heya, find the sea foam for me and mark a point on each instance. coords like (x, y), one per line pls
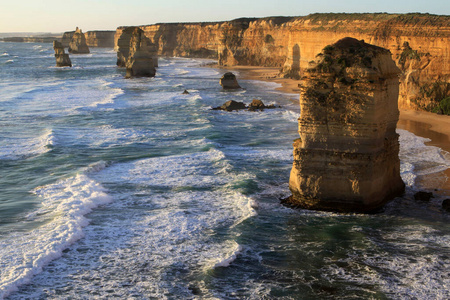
(19, 148)
(62, 215)
(417, 159)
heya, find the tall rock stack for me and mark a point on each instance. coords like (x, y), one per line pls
(78, 44)
(346, 158)
(62, 59)
(139, 60)
(127, 44)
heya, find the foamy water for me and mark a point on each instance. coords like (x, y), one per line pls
(115, 188)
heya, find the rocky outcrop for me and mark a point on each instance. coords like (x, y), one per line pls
(229, 81)
(78, 43)
(231, 105)
(62, 59)
(256, 105)
(139, 62)
(346, 158)
(290, 43)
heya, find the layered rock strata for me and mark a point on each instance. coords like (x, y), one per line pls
(78, 43)
(139, 62)
(94, 38)
(346, 158)
(291, 42)
(98, 38)
(62, 59)
(128, 40)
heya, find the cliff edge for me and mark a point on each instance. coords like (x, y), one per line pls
(290, 43)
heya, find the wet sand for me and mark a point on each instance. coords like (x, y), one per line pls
(429, 125)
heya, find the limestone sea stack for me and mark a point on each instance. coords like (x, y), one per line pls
(78, 43)
(124, 44)
(140, 59)
(62, 59)
(346, 158)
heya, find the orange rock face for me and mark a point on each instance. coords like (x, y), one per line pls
(291, 43)
(347, 156)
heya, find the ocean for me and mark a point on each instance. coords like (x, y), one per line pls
(114, 188)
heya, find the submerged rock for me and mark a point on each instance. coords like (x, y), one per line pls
(346, 158)
(446, 205)
(62, 59)
(423, 196)
(229, 81)
(78, 43)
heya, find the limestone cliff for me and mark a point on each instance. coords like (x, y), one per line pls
(98, 38)
(292, 42)
(62, 59)
(78, 43)
(93, 38)
(347, 156)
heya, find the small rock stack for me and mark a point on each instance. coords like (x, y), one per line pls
(346, 158)
(62, 59)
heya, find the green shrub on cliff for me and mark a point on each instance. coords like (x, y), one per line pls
(444, 107)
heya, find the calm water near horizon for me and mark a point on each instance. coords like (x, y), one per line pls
(113, 188)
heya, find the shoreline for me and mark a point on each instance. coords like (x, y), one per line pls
(424, 124)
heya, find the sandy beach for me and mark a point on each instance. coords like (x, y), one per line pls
(429, 125)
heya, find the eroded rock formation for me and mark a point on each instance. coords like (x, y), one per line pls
(62, 59)
(229, 81)
(291, 42)
(127, 43)
(346, 158)
(78, 43)
(139, 62)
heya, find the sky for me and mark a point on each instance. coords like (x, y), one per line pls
(64, 15)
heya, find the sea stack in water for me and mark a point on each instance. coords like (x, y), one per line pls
(140, 61)
(62, 59)
(78, 44)
(229, 81)
(346, 158)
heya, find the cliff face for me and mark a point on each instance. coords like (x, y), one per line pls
(291, 43)
(93, 38)
(103, 39)
(188, 40)
(347, 156)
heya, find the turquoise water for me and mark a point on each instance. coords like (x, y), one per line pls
(115, 188)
